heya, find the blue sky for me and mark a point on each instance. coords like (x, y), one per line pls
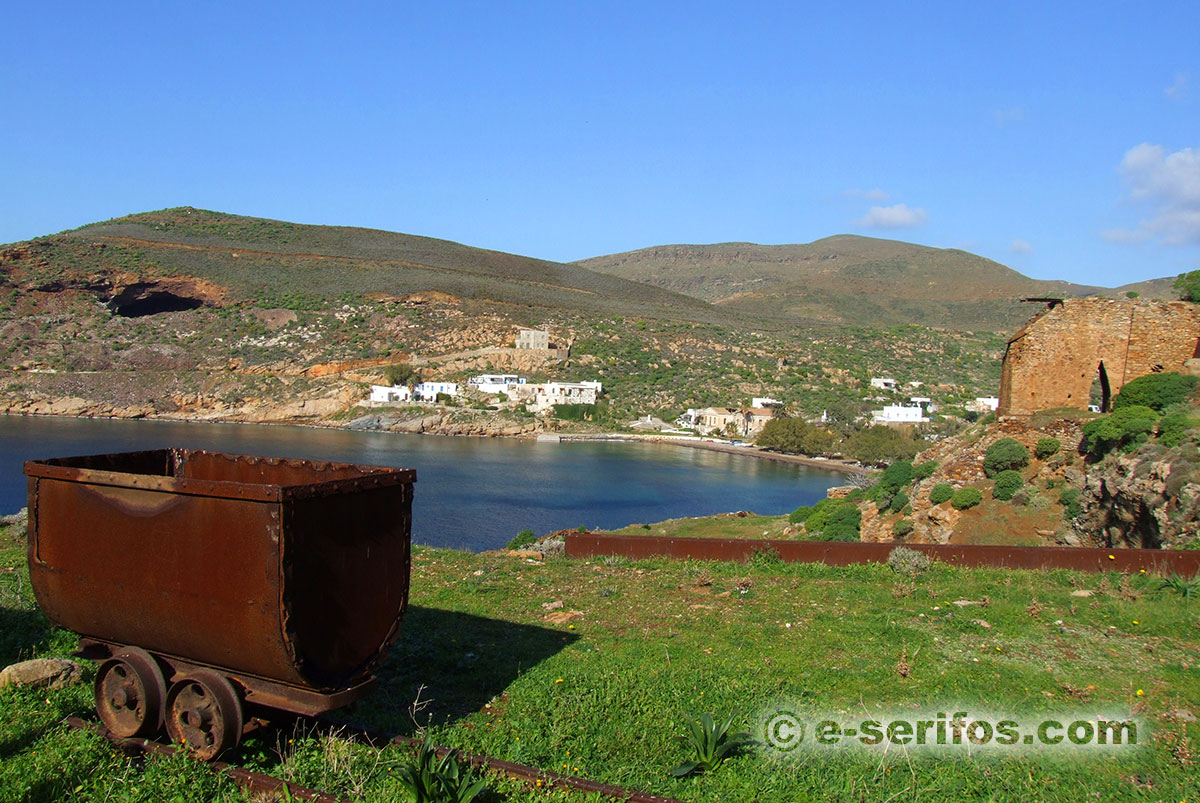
(1062, 139)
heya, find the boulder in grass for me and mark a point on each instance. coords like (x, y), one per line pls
(51, 673)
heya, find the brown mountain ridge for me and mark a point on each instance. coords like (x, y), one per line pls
(850, 279)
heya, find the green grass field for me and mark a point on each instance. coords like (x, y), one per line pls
(604, 695)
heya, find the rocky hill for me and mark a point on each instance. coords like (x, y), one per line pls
(1145, 498)
(185, 258)
(196, 314)
(851, 279)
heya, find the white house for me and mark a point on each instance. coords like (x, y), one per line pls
(491, 384)
(543, 397)
(428, 391)
(688, 419)
(765, 401)
(884, 383)
(900, 414)
(983, 404)
(533, 339)
(384, 394)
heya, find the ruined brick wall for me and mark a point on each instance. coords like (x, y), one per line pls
(1054, 359)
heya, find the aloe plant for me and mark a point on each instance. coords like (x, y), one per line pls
(711, 743)
(434, 780)
(1184, 587)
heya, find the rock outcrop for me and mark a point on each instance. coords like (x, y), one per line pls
(1149, 498)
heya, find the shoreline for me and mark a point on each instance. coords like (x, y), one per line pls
(692, 442)
(829, 464)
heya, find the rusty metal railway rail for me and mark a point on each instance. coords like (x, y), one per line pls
(1088, 559)
(261, 783)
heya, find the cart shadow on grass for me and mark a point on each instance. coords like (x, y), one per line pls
(462, 661)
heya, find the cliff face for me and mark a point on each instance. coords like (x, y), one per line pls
(1149, 498)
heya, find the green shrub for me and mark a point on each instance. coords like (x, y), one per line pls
(1004, 454)
(899, 502)
(898, 474)
(1069, 499)
(1046, 447)
(901, 528)
(941, 493)
(903, 560)
(1124, 429)
(925, 470)
(1173, 427)
(800, 514)
(522, 539)
(1188, 285)
(1155, 391)
(1007, 484)
(834, 520)
(966, 498)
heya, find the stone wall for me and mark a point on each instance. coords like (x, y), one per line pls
(1054, 359)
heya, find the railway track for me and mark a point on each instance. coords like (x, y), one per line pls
(261, 783)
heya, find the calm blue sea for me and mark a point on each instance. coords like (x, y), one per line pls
(471, 493)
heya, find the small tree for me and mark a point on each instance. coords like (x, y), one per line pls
(400, 374)
(1004, 454)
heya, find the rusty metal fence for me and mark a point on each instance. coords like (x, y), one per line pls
(589, 545)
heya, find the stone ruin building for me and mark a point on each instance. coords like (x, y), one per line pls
(1055, 359)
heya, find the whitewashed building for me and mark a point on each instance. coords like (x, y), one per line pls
(900, 414)
(428, 391)
(542, 397)
(491, 384)
(765, 401)
(389, 394)
(983, 404)
(884, 383)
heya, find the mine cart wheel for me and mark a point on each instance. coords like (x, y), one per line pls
(204, 714)
(129, 692)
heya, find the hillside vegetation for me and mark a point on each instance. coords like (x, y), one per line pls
(189, 313)
(277, 264)
(851, 279)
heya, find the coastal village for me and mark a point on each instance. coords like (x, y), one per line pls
(514, 391)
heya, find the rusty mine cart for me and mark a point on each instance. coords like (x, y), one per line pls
(207, 582)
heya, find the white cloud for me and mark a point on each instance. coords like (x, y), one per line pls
(871, 195)
(1021, 247)
(899, 216)
(1125, 236)
(1003, 115)
(1169, 183)
(1178, 90)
